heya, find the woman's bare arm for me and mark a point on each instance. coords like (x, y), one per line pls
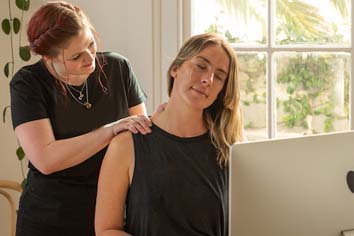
(49, 155)
(114, 180)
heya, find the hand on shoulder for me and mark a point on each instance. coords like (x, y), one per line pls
(135, 124)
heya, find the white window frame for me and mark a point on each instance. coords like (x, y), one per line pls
(176, 27)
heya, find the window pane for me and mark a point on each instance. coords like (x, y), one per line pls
(312, 92)
(243, 22)
(312, 22)
(252, 74)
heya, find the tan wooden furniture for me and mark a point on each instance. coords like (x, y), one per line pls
(5, 186)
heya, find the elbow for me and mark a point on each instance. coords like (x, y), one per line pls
(42, 166)
(45, 170)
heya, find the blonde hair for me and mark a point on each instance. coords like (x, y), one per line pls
(224, 117)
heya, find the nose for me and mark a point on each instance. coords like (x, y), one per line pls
(208, 79)
(89, 56)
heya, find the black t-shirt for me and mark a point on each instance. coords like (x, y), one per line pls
(67, 197)
(178, 187)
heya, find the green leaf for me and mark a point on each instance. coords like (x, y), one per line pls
(16, 25)
(23, 4)
(4, 113)
(6, 70)
(25, 53)
(20, 153)
(5, 25)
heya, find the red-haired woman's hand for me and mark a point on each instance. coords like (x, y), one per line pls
(135, 124)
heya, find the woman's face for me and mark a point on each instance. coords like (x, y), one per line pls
(199, 80)
(77, 60)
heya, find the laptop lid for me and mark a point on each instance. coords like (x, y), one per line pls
(293, 187)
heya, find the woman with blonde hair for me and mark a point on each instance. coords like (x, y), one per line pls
(174, 181)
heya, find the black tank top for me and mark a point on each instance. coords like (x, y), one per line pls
(178, 188)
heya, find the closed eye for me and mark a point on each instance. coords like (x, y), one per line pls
(74, 58)
(220, 77)
(202, 67)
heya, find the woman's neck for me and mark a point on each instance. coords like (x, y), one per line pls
(180, 121)
(71, 80)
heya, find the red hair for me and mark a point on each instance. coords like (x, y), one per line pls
(53, 25)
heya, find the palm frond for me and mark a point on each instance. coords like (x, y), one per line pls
(302, 17)
(343, 6)
(239, 9)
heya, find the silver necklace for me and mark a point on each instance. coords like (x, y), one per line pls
(81, 95)
(86, 104)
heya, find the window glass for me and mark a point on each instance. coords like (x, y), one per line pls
(305, 52)
(313, 22)
(312, 92)
(252, 77)
(242, 22)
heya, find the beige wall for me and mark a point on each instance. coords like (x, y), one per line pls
(10, 168)
(132, 28)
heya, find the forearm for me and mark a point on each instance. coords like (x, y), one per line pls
(62, 154)
(49, 155)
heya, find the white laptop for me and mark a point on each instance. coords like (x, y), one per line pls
(293, 187)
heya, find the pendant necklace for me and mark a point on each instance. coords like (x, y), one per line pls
(86, 104)
(81, 95)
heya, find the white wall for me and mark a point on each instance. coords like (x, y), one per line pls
(148, 32)
(126, 27)
(145, 31)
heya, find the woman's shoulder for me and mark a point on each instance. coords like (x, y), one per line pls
(112, 57)
(28, 73)
(122, 144)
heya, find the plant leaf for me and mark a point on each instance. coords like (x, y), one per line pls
(25, 53)
(20, 153)
(16, 25)
(23, 4)
(6, 70)
(5, 25)
(4, 114)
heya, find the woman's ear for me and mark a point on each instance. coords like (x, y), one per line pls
(173, 72)
(47, 59)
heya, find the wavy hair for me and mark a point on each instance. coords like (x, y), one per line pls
(224, 116)
(53, 25)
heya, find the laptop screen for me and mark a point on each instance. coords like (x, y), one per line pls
(293, 187)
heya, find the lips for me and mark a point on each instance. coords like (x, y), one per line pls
(89, 64)
(200, 91)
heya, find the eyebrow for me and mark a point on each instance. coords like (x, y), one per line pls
(207, 61)
(80, 53)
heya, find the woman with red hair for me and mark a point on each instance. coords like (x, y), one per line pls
(66, 108)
